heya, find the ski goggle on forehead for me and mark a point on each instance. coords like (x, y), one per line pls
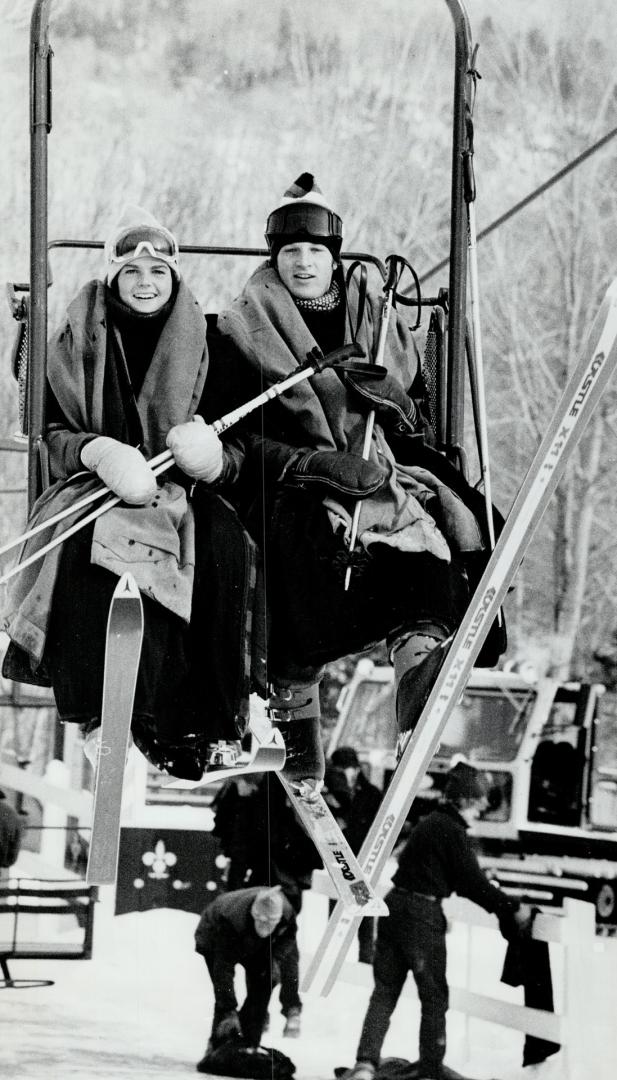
(311, 218)
(158, 243)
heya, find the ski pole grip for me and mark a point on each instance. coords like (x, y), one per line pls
(316, 360)
(392, 262)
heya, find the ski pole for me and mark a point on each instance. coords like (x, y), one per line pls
(313, 365)
(472, 253)
(480, 411)
(69, 510)
(395, 264)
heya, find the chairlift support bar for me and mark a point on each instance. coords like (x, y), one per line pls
(40, 126)
(463, 88)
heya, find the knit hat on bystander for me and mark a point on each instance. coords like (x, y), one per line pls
(465, 782)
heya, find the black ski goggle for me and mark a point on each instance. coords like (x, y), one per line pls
(306, 218)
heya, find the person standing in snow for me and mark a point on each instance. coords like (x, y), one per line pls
(422, 536)
(437, 860)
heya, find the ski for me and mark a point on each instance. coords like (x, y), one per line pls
(581, 395)
(122, 653)
(355, 892)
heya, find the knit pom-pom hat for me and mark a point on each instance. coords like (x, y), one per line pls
(139, 233)
(304, 214)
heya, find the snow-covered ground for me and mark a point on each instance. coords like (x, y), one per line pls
(141, 1008)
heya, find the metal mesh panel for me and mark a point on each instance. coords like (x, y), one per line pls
(430, 368)
(21, 363)
(19, 356)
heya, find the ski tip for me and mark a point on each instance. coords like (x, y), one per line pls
(611, 292)
(126, 587)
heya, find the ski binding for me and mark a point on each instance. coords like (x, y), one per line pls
(265, 753)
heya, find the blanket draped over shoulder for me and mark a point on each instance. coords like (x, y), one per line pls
(267, 327)
(159, 538)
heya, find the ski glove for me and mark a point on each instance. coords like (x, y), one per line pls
(347, 474)
(197, 449)
(122, 468)
(229, 1027)
(394, 409)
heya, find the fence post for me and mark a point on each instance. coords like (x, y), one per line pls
(53, 836)
(590, 998)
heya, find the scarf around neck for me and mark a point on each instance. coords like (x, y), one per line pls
(172, 385)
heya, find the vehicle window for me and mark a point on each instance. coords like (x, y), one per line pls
(603, 798)
(499, 797)
(555, 782)
(371, 720)
(487, 725)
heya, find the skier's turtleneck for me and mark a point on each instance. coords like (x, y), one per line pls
(327, 326)
(139, 333)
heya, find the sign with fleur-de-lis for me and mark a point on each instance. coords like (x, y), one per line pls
(159, 860)
(174, 868)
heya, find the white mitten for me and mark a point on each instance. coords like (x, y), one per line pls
(122, 468)
(196, 449)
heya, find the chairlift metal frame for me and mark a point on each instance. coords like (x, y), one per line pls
(453, 302)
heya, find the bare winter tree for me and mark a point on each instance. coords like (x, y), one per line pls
(549, 272)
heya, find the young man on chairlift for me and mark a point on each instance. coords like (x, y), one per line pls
(421, 536)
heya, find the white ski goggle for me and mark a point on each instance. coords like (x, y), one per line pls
(157, 243)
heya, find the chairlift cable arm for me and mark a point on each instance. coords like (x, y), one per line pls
(531, 197)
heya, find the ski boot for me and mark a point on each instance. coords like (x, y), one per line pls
(362, 1070)
(291, 1029)
(417, 660)
(296, 713)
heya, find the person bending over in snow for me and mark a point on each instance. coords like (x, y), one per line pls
(421, 531)
(254, 928)
(129, 375)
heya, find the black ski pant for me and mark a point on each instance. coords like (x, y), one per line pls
(412, 938)
(289, 990)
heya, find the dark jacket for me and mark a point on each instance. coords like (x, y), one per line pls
(226, 936)
(438, 859)
(354, 809)
(264, 840)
